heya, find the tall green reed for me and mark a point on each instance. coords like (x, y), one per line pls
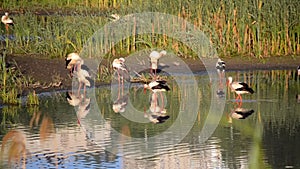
(244, 28)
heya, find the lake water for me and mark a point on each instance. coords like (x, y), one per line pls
(191, 126)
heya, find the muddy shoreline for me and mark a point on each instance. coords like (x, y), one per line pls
(51, 75)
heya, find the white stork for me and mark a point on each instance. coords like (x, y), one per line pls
(6, 21)
(121, 69)
(154, 57)
(239, 88)
(72, 61)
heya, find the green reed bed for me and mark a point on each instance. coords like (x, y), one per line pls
(12, 83)
(8, 83)
(53, 36)
(250, 28)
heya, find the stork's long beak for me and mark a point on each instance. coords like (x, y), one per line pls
(227, 83)
(145, 90)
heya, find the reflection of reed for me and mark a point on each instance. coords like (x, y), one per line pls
(126, 130)
(34, 119)
(46, 126)
(9, 114)
(17, 147)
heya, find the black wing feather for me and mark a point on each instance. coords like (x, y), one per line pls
(245, 88)
(161, 86)
(67, 62)
(244, 114)
(68, 96)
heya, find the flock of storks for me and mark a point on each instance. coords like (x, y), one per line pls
(74, 64)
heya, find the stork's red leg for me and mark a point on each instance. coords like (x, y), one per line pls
(78, 92)
(84, 90)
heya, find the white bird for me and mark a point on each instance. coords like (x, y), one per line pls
(6, 21)
(154, 57)
(82, 76)
(239, 88)
(115, 17)
(72, 61)
(298, 69)
(119, 64)
(220, 66)
(121, 69)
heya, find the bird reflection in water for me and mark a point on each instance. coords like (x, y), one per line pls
(220, 92)
(82, 103)
(83, 108)
(239, 113)
(220, 66)
(119, 105)
(156, 113)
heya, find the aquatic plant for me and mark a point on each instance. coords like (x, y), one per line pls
(12, 81)
(104, 73)
(8, 91)
(247, 28)
(32, 99)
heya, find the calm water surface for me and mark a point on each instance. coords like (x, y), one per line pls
(192, 126)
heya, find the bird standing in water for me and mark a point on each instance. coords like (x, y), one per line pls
(72, 61)
(154, 57)
(121, 69)
(220, 66)
(239, 88)
(83, 79)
